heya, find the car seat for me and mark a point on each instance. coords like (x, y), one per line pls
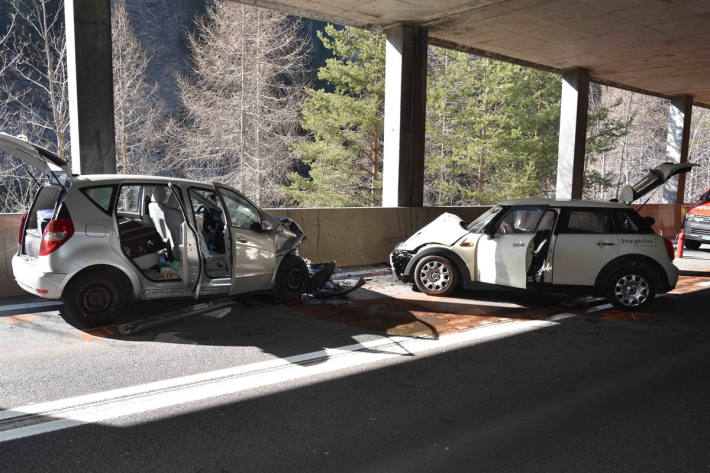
(167, 217)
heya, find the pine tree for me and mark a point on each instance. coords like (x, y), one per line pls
(343, 149)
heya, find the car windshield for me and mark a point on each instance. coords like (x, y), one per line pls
(477, 225)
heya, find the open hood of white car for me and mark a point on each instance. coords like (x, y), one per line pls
(41, 159)
(446, 230)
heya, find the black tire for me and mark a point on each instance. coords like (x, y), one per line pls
(291, 278)
(435, 276)
(631, 287)
(96, 298)
(692, 244)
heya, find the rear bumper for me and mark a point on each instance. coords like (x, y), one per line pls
(671, 275)
(47, 285)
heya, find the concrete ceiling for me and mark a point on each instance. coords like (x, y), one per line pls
(657, 47)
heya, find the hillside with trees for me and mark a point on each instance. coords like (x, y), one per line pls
(218, 90)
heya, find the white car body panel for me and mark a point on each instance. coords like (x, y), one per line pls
(578, 258)
(445, 230)
(504, 260)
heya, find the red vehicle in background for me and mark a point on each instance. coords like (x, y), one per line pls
(697, 222)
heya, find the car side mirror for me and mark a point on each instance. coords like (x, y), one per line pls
(266, 226)
(489, 230)
(649, 221)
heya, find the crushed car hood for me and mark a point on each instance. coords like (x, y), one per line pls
(446, 229)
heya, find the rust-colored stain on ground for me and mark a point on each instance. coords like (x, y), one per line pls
(420, 318)
(19, 318)
(690, 283)
(97, 332)
(623, 315)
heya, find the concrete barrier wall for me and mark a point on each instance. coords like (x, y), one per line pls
(9, 226)
(351, 236)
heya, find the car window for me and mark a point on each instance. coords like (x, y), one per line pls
(547, 222)
(129, 199)
(242, 214)
(477, 225)
(589, 221)
(705, 197)
(100, 196)
(520, 220)
(624, 223)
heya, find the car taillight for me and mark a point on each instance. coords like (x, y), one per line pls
(22, 228)
(669, 248)
(55, 235)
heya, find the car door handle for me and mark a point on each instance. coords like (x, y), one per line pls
(241, 240)
(519, 243)
(605, 243)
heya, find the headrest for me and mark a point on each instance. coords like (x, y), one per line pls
(172, 201)
(159, 194)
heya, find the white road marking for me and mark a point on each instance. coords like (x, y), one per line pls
(597, 308)
(36, 419)
(558, 317)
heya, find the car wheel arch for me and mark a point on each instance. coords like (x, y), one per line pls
(657, 270)
(444, 252)
(131, 285)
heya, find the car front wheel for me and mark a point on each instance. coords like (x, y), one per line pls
(631, 287)
(435, 276)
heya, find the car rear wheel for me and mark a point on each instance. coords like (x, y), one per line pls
(435, 276)
(291, 278)
(692, 244)
(95, 298)
(631, 287)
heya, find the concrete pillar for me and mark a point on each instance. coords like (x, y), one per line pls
(405, 112)
(90, 77)
(677, 145)
(573, 134)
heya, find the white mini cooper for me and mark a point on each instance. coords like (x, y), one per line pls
(556, 245)
(100, 241)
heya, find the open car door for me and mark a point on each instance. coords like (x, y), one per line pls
(252, 243)
(191, 263)
(504, 257)
(41, 159)
(654, 179)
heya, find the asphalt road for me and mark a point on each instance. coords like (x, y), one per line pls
(601, 391)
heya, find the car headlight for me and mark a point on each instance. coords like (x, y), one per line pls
(690, 217)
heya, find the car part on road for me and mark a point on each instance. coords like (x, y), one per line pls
(173, 316)
(333, 289)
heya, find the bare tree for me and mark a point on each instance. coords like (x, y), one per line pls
(243, 98)
(141, 127)
(33, 91)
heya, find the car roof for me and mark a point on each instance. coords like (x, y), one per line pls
(566, 203)
(120, 178)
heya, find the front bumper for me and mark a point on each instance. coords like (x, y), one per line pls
(697, 231)
(399, 259)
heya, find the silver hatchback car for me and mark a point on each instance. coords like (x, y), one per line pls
(98, 242)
